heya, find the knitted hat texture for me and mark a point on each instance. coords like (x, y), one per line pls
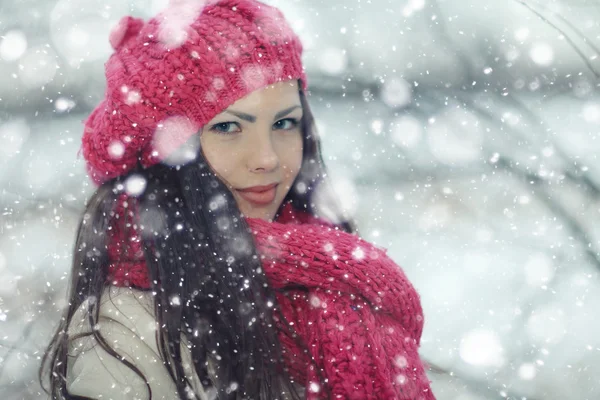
(173, 74)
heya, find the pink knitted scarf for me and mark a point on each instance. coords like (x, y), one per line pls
(359, 316)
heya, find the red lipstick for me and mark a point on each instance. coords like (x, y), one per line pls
(260, 195)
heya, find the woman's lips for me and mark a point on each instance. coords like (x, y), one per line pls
(260, 195)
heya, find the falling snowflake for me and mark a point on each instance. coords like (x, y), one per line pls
(482, 347)
(358, 254)
(175, 300)
(542, 54)
(116, 149)
(135, 185)
(13, 45)
(396, 93)
(314, 387)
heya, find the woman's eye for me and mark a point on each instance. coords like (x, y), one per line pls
(226, 127)
(286, 124)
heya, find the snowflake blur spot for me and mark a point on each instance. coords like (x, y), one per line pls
(548, 151)
(527, 371)
(524, 199)
(135, 185)
(13, 134)
(542, 54)
(39, 66)
(522, 34)
(189, 393)
(482, 347)
(153, 222)
(535, 84)
(300, 187)
(176, 140)
(223, 223)
(176, 21)
(333, 61)
(241, 246)
(539, 270)
(175, 300)
(116, 149)
(217, 202)
(315, 301)
(510, 118)
(412, 6)
(314, 387)
(401, 379)
(377, 126)
(245, 308)
(133, 97)
(400, 361)
(454, 146)
(344, 191)
(218, 83)
(547, 325)
(13, 45)
(358, 254)
(62, 104)
(582, 87)
(78, 27)
(512, 53)
(396, 93)
(233, 386)
(591, 113)
(406, 131)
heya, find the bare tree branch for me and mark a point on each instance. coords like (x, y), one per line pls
(583, 57)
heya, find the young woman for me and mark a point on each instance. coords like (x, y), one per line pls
(212, 260)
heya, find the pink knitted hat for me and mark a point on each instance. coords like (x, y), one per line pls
(173, 74)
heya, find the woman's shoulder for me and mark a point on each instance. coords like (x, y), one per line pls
(129, 307)
(126, 321)
(127, 324)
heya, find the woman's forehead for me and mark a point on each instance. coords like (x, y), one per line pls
(270, 99)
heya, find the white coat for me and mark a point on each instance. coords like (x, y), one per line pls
(127, 322)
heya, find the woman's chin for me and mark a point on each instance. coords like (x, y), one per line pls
(265, 215)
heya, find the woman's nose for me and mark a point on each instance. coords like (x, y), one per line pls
(262, 155)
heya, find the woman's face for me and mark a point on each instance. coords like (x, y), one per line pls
(255, 147)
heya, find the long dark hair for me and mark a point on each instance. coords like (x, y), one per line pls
(201, 251)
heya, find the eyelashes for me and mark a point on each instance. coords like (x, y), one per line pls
(223, 127)
(232, 127)
(293, 123)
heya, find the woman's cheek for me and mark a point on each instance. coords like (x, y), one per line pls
(294, 162)
(219, 157)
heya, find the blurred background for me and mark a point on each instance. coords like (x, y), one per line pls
(463, 136)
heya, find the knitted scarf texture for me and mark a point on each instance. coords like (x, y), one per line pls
(359, 316)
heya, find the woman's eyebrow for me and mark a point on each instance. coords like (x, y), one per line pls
(285, 112)
(252, 118)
